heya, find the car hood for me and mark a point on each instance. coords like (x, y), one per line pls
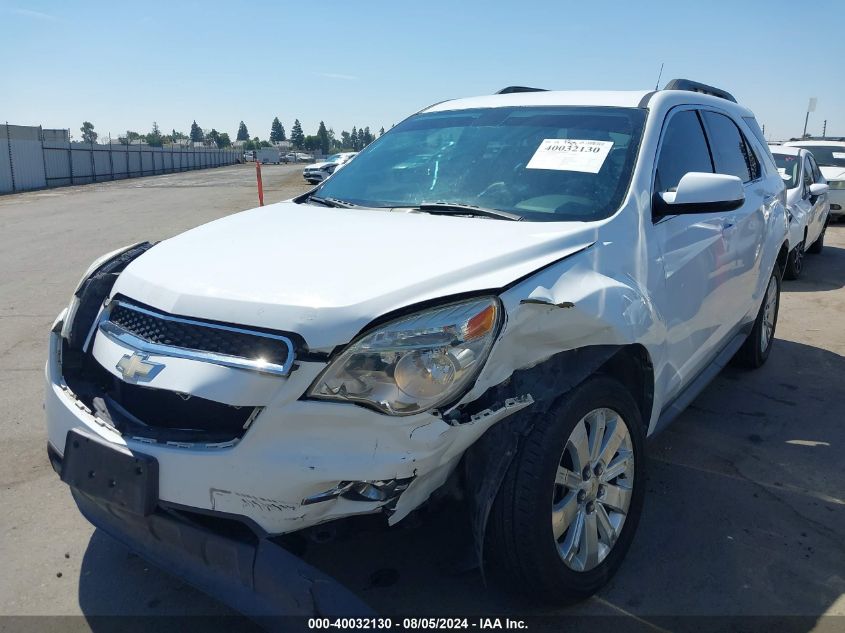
(318, 165)
(832, 173)
(325, 273)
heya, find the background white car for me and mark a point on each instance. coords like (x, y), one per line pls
(806, 201)
(320, 171)
(830, 155)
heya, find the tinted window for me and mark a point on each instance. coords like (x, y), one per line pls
(753, 161)
(730, 152)
(752, 124)
(684, 149)
(827, 155)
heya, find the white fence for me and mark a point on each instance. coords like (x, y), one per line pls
(32, 158)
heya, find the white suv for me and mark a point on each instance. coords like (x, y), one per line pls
(830, 155)
(502, 296)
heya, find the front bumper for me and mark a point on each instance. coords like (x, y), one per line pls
(294, 452)
(252, 575)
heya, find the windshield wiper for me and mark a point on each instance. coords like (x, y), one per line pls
(331, 202)
(452, 208)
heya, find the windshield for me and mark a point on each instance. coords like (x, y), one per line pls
(540, 163)
(827, 155)
(789, 168)
(334, 158)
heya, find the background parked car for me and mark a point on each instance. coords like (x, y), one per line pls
(320, 171)
(806, 201)
(830, 156)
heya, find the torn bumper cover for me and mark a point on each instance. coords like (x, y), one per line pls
(252, 575)
(302, 463)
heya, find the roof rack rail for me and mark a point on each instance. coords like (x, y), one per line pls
(694, 86)
(513, 89)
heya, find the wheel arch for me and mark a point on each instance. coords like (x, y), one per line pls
(485, 463)
(783, 254)
(632, 367)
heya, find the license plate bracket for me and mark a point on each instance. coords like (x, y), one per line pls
(111, 473)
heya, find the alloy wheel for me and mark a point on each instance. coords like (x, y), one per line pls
(593, 489)
(798, 259)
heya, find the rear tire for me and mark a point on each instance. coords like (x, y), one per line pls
(568, 508)
(757, 347)
(794, 263)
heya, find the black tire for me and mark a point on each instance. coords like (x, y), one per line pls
(753, 354)
(521, 552)
(817, 246)
(794, 263)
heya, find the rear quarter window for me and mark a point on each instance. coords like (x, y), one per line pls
(763, 150)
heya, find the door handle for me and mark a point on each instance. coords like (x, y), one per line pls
(727, 225)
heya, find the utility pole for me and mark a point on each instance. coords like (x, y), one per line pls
(811, 107)
(824, 129)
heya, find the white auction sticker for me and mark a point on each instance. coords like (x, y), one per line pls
(783, 174)
(839, 155)
(566, 154)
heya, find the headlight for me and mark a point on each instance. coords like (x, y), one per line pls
(414, 363)
(836, 184)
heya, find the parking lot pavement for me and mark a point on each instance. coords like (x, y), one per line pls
(746, 507)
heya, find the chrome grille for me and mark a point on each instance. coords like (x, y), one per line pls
(153, 332)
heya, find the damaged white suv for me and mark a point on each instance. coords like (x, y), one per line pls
(507, 293)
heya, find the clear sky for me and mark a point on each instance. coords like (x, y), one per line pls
(123, 65)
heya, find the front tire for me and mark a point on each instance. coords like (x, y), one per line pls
(570, 502)
(756, 348)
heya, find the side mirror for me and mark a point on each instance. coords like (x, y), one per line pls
(818, 189)
(700, 192)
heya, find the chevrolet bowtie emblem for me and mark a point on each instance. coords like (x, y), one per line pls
(136, 367)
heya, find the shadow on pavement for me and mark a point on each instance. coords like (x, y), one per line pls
(744, 517)
(825, 271)
(115, 583)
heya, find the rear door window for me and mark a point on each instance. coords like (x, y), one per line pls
(731, 153)
(683, 150)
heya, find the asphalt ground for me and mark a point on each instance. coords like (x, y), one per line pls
(745, 513)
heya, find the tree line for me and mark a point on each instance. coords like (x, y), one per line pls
(325, 140)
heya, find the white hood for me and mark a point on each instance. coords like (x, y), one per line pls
(832, 173)
(325, 273)
(318, 165)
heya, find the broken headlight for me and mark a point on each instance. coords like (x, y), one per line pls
(416, 362)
